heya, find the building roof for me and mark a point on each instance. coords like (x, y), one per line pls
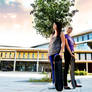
(12, 48)
(82, 33)
(40, 45)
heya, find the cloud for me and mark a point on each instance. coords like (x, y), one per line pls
(11, 13)
(10, 7)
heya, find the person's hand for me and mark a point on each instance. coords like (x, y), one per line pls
(48, 57)
(73, 56)
(60, 55)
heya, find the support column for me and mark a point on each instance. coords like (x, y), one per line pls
(14, 67)
(37, 68)
(87, 66)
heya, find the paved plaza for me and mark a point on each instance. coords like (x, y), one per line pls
(18, 82)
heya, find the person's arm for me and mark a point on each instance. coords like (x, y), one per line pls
(63, 44)
(50, 38)
(68, 48)
(49, 43)
(75, 44)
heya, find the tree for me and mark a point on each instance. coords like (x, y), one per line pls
(46, 12)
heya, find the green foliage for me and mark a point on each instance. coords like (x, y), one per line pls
(46, 12)
(80, 72)
(44, 72)
(44, 79)
(40, 80)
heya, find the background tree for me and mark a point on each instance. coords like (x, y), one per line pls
(46, 12)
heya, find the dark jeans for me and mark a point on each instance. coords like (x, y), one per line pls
(68, 61)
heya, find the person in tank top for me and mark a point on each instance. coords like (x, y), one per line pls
(56, 46)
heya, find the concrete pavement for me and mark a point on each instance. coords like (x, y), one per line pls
(9, 83)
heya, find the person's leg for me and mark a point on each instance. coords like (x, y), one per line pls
(51, 58)
(72, 74)
(66, 67)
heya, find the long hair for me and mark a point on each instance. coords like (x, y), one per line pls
(59, 28)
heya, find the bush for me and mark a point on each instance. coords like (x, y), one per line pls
(80, 72)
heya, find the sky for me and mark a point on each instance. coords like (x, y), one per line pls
(16, 28)
(82, 19)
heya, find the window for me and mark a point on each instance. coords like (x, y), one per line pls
(83, 46)
(47, 55)
(10, 55)
(19, 55)
(5, 55)
(33, 55)
(90, 36)
(42, 55)
(82, 56)
(28, 55)
(78, 56)
(1, 54)
(75, 39)
(85, 37)
(24, 55)
(80, 38)
(80, 47)
(88, 56)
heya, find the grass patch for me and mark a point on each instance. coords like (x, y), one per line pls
(40, 80)
(45, 79)
(44, 73)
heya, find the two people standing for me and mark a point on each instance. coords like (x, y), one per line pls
(59, 42)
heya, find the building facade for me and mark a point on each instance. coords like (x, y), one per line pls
(23, 59)
(84, 40)
(35, 59)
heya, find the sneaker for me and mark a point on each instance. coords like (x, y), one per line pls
(51, 86)
(78, 85)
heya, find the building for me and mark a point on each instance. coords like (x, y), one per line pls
(23, 59)
(83, 50)
(84, 40)
(35, 59)
(84, 44)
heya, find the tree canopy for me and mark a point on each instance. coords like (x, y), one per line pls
(46, 12)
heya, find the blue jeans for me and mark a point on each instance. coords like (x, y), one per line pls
(51, 58)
